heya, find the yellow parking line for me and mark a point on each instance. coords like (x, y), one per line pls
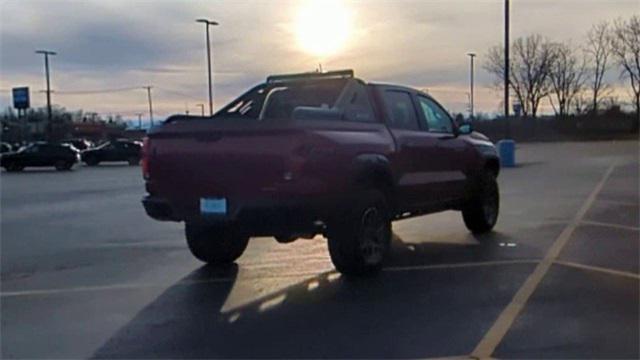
(226, 280)
(460, 265)
(103, 288)
(616, 226)
(618, 202)
(599, 269)
(499, 329)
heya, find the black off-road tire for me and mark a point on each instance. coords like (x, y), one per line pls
(92, 161)
(13, 167)
(215, 244)
(359, 241)
(62, 165)
(480, 214)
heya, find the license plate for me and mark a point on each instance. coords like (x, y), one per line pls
(213, 206)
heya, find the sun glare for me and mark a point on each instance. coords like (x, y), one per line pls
(323, 27)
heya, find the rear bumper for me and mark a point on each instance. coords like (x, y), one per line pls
(158, 209)
(259, 217)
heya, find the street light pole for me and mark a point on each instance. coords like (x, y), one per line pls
(506, 70)
(207, 24)
(201, 108)
(471, 56)
(150, 104)
(139, 120)
(46, 54)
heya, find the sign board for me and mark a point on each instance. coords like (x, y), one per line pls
(517, 108)
(21, 98)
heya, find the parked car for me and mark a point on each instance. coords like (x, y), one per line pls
(80, 144)
(5, 147)
(62, 157)
(117, 150)
(321, 153)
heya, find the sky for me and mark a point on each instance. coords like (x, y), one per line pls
(122, 46)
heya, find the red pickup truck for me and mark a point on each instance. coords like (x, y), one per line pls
(317, 153)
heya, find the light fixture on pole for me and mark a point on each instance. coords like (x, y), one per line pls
(207, 24)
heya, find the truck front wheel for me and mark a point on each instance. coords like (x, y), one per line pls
(480, 214)
(215, 244)
(359, 241)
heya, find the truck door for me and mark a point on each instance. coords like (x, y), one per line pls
(448, 156)
(413, 146)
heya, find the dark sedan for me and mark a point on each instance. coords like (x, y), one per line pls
(118, 150)
(62, 157)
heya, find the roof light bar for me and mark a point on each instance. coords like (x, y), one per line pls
(311, 75)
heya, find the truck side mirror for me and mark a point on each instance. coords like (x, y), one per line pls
(465, 128)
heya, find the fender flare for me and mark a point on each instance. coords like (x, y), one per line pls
(374, 171)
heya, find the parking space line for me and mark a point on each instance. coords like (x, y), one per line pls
(503, 323)
(460, 265)
(104, 288)
(226, 280)
(617, 226)
(618, 202)
(598, 269)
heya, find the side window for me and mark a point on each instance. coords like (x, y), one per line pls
(401, 111)
(437, 119)
(358, 107)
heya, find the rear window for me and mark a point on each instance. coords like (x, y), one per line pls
(278, 100)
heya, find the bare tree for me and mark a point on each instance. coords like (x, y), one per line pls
(581, 104)
(530, 65)
(566, 78)
(626, 49)
(598, 51)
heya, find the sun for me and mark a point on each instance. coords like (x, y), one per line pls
(323, 27)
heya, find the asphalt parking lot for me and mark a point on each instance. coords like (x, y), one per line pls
(86, 274)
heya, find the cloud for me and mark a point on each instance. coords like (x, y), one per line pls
(114, 44)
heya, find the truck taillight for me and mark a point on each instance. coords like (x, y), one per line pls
(145, 157)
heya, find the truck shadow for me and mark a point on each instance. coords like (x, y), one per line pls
(475, 248)
(394, 314)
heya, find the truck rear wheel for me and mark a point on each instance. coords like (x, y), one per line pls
(215, 244)
(481, 211)
(359, 241)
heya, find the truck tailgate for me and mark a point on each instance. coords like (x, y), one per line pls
(232, 158)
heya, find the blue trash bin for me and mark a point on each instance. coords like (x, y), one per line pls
(507, 153)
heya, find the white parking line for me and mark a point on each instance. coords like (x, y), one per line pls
(599, 269)
(503, 323)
